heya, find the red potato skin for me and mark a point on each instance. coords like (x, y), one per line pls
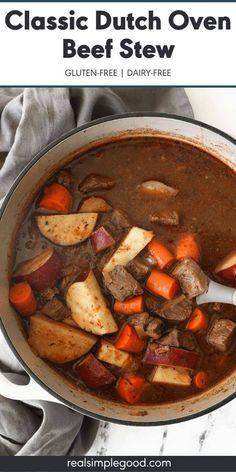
(157, 354)
(93, 373)
(101, 240)
(228, 274)
(45, 276)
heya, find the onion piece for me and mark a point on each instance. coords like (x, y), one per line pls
(158, 188)
(133, 243)
(101, 239)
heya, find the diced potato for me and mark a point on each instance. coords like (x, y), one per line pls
(130, 247)
(56, 341)
(110, 354)
(88, 307)
(171, 375)
(67, 230)
(94, 204)
(158, 188)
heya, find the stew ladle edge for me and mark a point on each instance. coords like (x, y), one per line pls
(217, 293)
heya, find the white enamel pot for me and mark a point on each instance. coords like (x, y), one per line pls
(46, 383)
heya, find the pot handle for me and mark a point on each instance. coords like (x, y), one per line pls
(31, 391)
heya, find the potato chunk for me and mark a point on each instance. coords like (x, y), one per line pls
(57, 341)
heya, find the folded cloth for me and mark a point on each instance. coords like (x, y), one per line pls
(29, 120)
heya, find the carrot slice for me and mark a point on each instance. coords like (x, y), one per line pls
(160, 253)
(130, 307)
(162, 284)
(200, 379)
(130, 388)
(56, 197)
(129, 341)
(197, 321)
(22, 298)
(188, 246)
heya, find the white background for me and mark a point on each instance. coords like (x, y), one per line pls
(200, 57)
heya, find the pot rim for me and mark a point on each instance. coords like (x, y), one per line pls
(2, 210)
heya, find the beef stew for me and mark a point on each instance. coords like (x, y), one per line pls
(106, 260)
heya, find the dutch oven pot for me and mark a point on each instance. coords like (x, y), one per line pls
(45, 382)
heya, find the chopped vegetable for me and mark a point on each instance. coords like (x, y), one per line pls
(94, 205)
(96, 182)
(57, 198)
(130, 388)
(93, 373)
(158, 188)
(129, 341)
(200, 379)
(42, 271)
(162, 284)
(107, 352)
(157, 354)
(132, 244)
(22, 298)
(165, 217)
(130, 307)
(160, 253)
(88, 307)
(56, 341)
(101, 240)
(67, 230)
(197, 321)
(171, 375)
(188, 246)
(226, 268)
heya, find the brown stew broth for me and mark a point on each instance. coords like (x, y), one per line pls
(206, 203)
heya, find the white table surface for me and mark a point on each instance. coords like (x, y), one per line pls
(212, 434)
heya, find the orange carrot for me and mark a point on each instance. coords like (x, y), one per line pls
(129, 341)
(130, 307)
(188, 246)
(160, 253)
(162, 284)
(56, 197)
(130, 388)
(200, 379)
(22, 298)
(197, 321)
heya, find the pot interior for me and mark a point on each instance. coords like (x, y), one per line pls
(20, 196)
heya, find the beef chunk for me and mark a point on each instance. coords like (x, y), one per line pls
(178, 309)
(94, 182)
(138, 268)
(49, 293)
(147, 326)
(192, 279)
(153, 305)
(221, 333)
(171, 338)
(121, 284)
(55, 309)
(120, 219)
(165, 217)
(187, 340)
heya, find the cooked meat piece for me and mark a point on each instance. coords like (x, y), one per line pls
(94, 182)
(221, 333)
(154, 328)
(192, 279)
(138, 268)
(178, 309)
(55, 309)
(121, 284)
(139, 322)
(120, 219)
(165, 217)
(187, 340)
(64, 177)
(171, 338)
(49, 293)
(176, 338)
(147, 326)
(153, 305)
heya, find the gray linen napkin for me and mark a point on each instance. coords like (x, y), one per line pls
(29, 120)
